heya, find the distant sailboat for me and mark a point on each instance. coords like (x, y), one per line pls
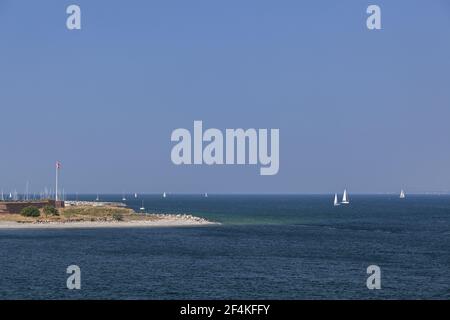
(336, 202)
(10, 195)
(164, 195)
(402, 194)
(123, 197)
(142, 207)
(97, 199)
(345, 198)
(135, 195)
(206, 195)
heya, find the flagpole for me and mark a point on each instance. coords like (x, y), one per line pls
(56, 190)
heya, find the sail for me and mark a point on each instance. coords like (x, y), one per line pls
(402, 194)
(345, 197)
(336, 203)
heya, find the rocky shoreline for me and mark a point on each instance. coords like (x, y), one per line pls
(85, 214)
(159, 220)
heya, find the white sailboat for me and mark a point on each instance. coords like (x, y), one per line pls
(97, 199)
(123, 197)
(336, 202)
(135, 195)
(345, 199)
(10, 195)
(142, 207)
(164, 195)
(206, 195)
(402, 194)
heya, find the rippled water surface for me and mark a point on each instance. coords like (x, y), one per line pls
(277, 247)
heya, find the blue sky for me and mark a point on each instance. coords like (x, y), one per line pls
(366, 110)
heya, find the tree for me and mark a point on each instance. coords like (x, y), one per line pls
(30, 211)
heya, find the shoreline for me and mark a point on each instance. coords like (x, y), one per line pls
(84, 214)
(166, 221)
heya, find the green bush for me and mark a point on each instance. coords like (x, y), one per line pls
(117, 217)
(50, 210)
(30, 211)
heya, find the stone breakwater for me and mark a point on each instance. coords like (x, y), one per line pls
(185, 217)
(171, 218)
(163, 221)
(182, 218)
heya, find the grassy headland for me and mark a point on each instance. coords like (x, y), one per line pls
(88, 215)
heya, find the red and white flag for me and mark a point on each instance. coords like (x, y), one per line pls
(58, 165)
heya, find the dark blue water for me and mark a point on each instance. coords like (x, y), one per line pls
(268, 247)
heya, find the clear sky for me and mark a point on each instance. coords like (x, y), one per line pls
(366, 110)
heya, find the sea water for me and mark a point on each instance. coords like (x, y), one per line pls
(267, 247)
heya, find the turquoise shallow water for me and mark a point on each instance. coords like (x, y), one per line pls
(277, 247)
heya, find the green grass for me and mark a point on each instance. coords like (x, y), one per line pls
(96, 212)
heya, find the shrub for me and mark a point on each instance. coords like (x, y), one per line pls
(50, 210)
(117, 217)
(30, 211)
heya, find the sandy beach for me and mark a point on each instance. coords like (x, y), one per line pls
(161, 221)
